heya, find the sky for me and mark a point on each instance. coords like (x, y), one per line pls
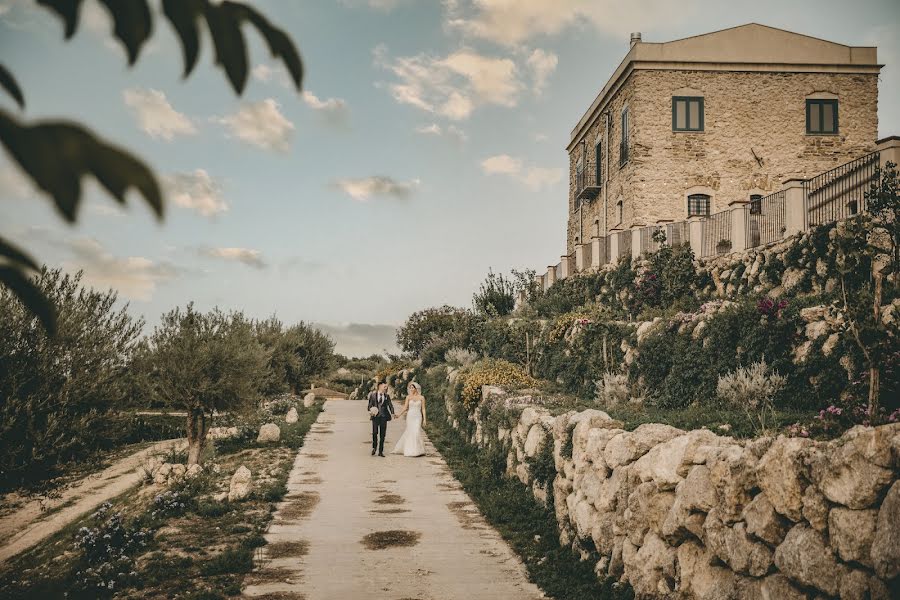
(427, 146)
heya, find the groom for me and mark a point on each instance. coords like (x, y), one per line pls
(379, 399)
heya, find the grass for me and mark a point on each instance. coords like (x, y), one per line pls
(203, 553)
(529, 527)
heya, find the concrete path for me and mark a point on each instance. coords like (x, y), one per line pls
(427, 540)
(39, 519)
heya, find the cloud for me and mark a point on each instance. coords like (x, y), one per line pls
(502, 164)
(333, 110)
(361, 339)
(541, 65)
(260, 124)
(382, 5)
(512, 22)
(248, 256)
(133, 277)
(451, 131)
(379, 185)
(263, 73)
(452, 86)
(531, 176)
(14, 184)
(196, 191)
(155, 115)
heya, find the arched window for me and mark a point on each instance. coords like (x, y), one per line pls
(698, 205)
(620, 213)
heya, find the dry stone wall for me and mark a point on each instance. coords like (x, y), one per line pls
(692, 514)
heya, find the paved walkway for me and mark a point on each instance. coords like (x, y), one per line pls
(39, 519)
(438, 547)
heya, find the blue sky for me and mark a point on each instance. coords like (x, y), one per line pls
(427, 147)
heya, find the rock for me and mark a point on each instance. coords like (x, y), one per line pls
(646, 510)
(698, 578)
(779, 587)
(161, 474)
(732, 473)
(193, 471)
(851, 533)
(603, 533)
(630, 446)
(291, 416)
(221, 433)
(309, 400)
(816, 329)
(805, 558)
(830, 343)
(854, 469)
(269, 432)
(241, 484)
(763, 521)
(681, 523)
(859, 585)
(698, 492)
(651, 569)
(735, 548)
(886, 543)
(537, 435)
(780, 473)
(815, 508)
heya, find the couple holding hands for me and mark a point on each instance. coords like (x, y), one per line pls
(381, 410)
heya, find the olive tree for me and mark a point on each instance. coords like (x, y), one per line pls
(203, 363)
(296, 354)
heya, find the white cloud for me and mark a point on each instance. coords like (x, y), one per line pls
(134, 277)
(541, 137)
(364, 188)
(534, 177)
(502, 164)
(262, 72)
(454, 85)
(361, 339)
(248, 256)
(261, 124)
(452, 132)
(155, 115)
(14, 184)
(334, 110)
(196, 191)
(541, 65)
(512, 22)
(382, 5)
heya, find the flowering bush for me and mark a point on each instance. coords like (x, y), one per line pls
(752, 389)
(770, 308)
(491, 372)
(107, 554)
(647, 290)
(834, 420)
(612, 390)
(168, 504)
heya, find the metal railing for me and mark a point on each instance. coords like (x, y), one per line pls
(765, 220)
(648, 244)
(716, 234)
(839, 193)
(586, 185)
(678, 233)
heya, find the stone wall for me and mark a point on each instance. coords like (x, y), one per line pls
(691, 514)
(753, 140)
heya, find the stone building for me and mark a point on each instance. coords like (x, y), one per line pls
(684, 128)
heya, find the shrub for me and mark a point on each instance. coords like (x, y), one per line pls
(491, 372)
(458, 327)
(752, 389)
(460, 357)
(612, 390)
(168, 504)
(496, 298)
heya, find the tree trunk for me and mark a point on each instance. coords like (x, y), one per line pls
(197, 428)
(874, 370)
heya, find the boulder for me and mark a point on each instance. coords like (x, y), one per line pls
(815, 508)
(603, 533)
(735, 548)
(697, 492)
(698, 578)
(291, 416)
(886, 543)
(779, 587)
(270, 432)
(860, 585)
(732, 473)
(681, 523)
(309, 400)
(763, 521)
(597, 439)
(241, 484)
(535, 440)
(805, 558)
(650, 569)
(221, 433)
(780, 475)
(854, 469)
(647, 508)
(627, 447)
(193, 471)
(851, 533)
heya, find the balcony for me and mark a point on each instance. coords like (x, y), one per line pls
(586, 186)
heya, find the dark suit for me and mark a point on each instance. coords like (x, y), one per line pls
(379, 421)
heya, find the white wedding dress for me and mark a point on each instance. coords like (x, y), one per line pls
(412, 442)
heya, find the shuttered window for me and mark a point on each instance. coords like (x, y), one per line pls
(687, 113)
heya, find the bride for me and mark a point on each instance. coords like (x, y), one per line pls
(412, 442)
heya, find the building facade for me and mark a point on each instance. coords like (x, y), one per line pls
(684, 128)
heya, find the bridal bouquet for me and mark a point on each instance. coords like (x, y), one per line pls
(373, 411)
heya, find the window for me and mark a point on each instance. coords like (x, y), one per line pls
(821, 117)
(620, 213)
(687, 113)
(756, 204)
(698, 205)
(623, 144)
(598, 170)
